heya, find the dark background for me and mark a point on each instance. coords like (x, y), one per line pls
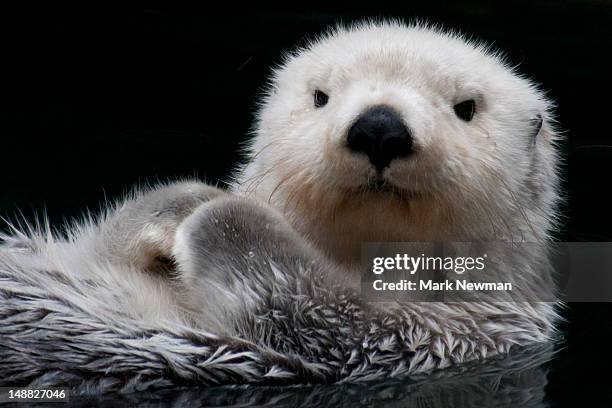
(93, 101)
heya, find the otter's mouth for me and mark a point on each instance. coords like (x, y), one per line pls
(384, 188)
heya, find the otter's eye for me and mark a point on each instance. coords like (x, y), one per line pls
(320, 98)
(465, 110)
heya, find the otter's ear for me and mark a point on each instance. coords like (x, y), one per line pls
(536, 125)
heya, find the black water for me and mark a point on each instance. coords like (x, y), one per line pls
(94, 100)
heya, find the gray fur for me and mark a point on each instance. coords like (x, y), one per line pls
(282, 314)
(516, 380)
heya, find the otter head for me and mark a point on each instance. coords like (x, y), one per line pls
(388, 132)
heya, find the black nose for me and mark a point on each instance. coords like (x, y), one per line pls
(380, 133)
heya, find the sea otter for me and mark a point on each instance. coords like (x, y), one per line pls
(373, 132)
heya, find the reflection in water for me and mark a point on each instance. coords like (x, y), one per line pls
(515, 380)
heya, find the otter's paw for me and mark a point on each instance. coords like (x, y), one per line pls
(141, 232)
(232, 237)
